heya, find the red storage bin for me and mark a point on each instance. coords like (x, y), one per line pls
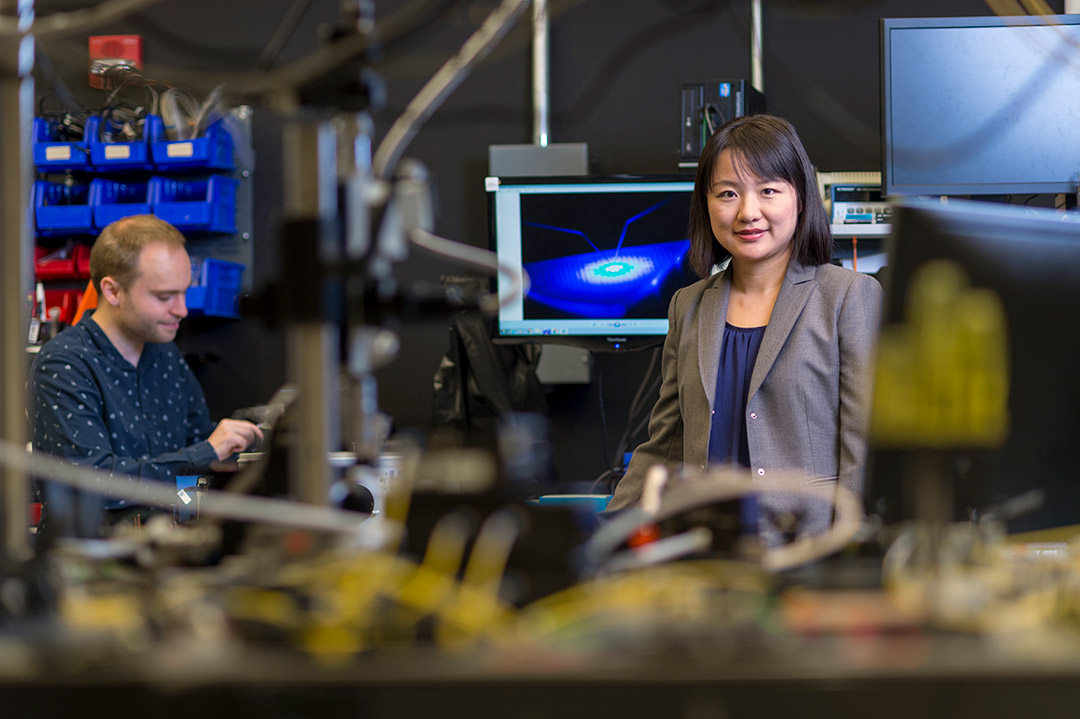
(82, 260)
(66, 300)
(53, 264)
(63, 263)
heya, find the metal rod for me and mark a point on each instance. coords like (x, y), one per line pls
(360, 393)
(16, 173)
(311, 360)
(312, 344)
(540, 73)
(757, 73)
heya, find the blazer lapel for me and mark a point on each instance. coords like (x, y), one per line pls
(798, 285)
(710, 331)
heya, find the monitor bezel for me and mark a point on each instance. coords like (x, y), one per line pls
(593, 342)
(1019, 253)
(889, 185)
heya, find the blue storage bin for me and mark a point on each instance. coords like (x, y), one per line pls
(216, 289)
(113, 199)
(117, 155)
(52, 154)
(208, 204)
(212, 151)
(61, 209)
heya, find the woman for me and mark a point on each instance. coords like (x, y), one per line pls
(768, 362)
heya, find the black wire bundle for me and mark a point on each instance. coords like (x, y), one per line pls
(64, 125)
(68, 122)
(123, 116)
(637, 418)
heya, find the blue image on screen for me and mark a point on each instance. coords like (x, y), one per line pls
(604, 283)
(605, 256)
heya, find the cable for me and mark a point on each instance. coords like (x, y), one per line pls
(76, 21)
(607, 474)
(710, 124)
(477, 608)
(280, 82)
(445, 81)
(721, 485)
(185, 117)
(159, 36)
(281, 36)
(60, 91)
(847, 517)
(124, 121)
(213, 503)
(404, 23)
(211, 110)
(649, 383)
(679, 601)
(1004, 8)
(634, 425)
(603, 415)
(178, 107)
(475, 257)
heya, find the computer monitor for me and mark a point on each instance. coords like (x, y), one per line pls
(1030, 258)
(603, 255)
(980, 105)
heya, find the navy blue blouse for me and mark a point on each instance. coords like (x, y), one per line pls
(738, 352)
(727, 438)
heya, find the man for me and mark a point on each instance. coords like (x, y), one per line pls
(113, 391)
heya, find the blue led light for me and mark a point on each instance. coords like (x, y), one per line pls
(613, 269)
(608, 271)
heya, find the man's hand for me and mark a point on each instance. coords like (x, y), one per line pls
(232, 436)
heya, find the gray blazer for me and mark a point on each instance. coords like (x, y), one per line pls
(809, 398)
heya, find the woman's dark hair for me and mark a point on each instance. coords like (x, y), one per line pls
(769, 147)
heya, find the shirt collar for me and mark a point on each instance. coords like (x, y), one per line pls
(101, 340)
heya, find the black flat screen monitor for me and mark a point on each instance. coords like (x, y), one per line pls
(980, 105)
(603, 256)
(1031, 259)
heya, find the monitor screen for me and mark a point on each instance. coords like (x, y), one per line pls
(1030, 259)
(603, 256)
(983, 105)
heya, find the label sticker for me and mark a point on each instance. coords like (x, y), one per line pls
(180, 149)
(117, 152)
(184, 496)
(58, 152)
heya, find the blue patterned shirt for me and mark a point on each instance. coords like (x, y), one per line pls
(89, 404)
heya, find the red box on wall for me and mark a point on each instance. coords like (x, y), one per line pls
(108, 51)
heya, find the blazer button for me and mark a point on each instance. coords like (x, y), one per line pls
(753, 415)
(760, 471)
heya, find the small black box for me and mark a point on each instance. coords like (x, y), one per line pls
(707, 104)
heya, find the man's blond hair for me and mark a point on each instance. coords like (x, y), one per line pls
(117, 249)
